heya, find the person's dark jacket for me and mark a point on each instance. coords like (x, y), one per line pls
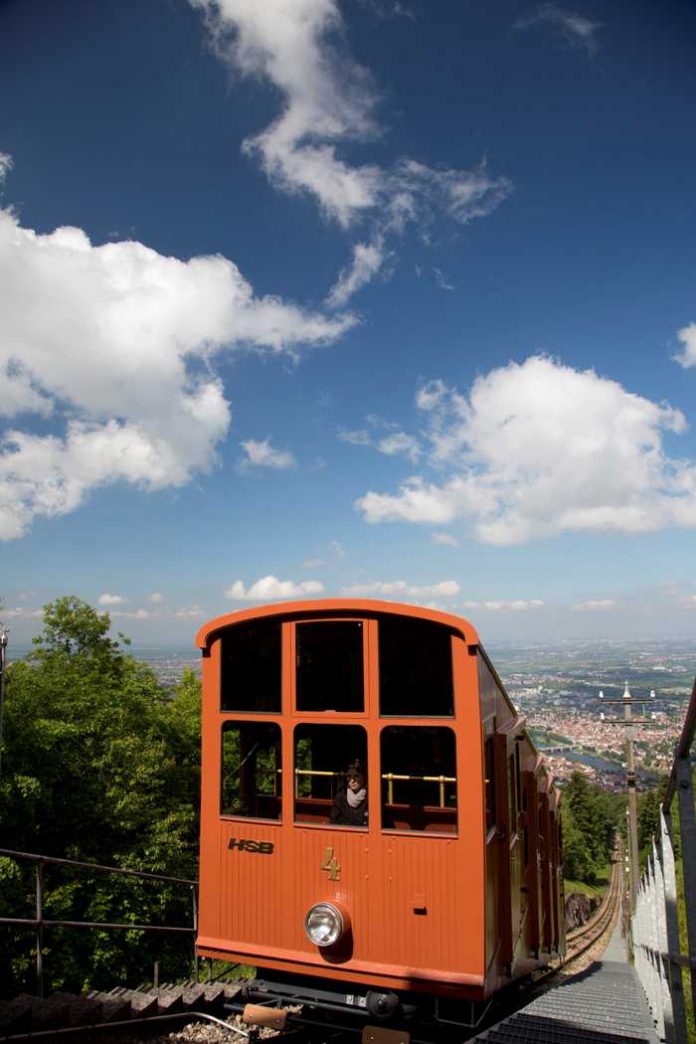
(343, 814)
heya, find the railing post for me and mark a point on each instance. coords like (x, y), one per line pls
(672, 927)
(194, 905)
(664, 951)
(39, 931)
(687, 827)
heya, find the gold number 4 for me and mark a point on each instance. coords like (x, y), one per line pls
(331, 865)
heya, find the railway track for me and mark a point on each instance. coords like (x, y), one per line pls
(581, 942)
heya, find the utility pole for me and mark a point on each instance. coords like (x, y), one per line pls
(628, 721)
(3, 660)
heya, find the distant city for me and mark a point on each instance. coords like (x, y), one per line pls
(557, 689)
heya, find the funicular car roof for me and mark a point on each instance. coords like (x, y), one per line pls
(316, 607)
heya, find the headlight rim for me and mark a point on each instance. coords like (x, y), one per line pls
(341, 921)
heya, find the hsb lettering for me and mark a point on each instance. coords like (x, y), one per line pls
(248, 845)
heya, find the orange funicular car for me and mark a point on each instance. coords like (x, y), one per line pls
(436, 883)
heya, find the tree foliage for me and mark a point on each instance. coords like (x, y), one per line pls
(590, 816)
(101, 765)
(649, 819)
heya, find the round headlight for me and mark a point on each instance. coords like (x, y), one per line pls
(324, 924)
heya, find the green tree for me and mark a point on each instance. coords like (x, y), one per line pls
(590, 819)
(71, 626)
(102, 765)
(649, 818)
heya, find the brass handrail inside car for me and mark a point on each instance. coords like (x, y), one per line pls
(314, 772)
(391, 777)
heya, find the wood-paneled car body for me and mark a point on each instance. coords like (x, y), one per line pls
(449, 889)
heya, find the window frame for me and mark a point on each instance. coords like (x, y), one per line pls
(224, 724)
(490, 779)
(314, 722)
(266, 621)
(414, 621)
(427, 723)
(294, 713)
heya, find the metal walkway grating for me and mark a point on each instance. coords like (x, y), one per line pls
(603, 1005)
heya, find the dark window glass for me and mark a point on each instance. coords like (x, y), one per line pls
(324, 757)
(251, 770)
(489, 769)
(419, 779)
(525, 815)
(415, 668)
(330, 666)
(512, 795)
(250, 668)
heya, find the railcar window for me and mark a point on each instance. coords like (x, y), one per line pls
(323, 754)
(250, 667)
(415, 668)
(330, 666)
(512, 795)
(419, 779)
(251, 770)
(525, 820)
(489, 768)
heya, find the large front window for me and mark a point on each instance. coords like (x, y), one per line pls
(330, 666)
(415, 668)
(250, 670)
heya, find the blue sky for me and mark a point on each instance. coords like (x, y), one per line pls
(304, 298)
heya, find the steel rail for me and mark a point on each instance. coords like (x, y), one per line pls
(592, 931)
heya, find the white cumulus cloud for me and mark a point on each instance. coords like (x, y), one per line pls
(271, 589)
(6, 165)
(515, 605)
(398, 442)
(537, 449)
(263, 455)
(577, 30)
(595, 605)
(445, 539)
(367, 260)
(328, 100)
(401, 589)
(190, 612)
(356, 438)
(687, 356)
(116, 342)
(110, 599)
(22, 613)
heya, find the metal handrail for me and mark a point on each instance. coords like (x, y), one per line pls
(389, 777)
(392, 777)
(33, 856)
(682, 749)
(655, 924)
(39, 922)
